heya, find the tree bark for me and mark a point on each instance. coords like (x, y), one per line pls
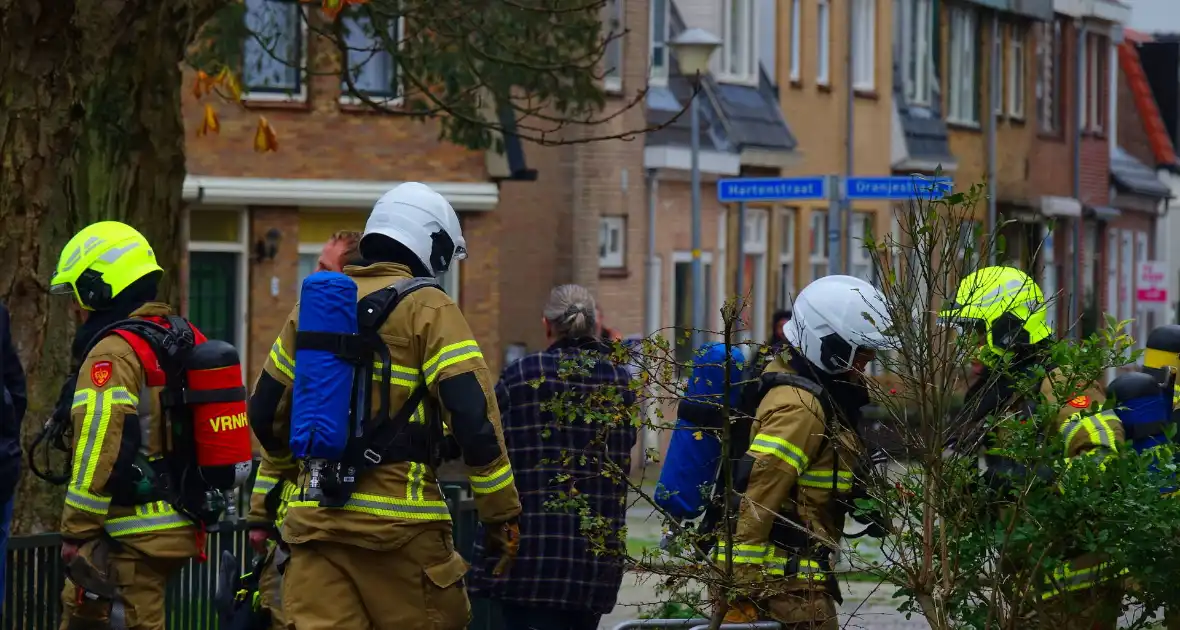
(90, 130)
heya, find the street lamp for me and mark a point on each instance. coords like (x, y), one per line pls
(693, 48)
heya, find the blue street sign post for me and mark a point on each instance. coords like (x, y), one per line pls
(749, 189)
(897, 188)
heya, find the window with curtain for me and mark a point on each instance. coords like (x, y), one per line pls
(1048, 84)
(864, 32)
(739, 53)
(786, 259)
(613, 55)
(659, 39)
(371, 63)
(272, 55)
(862, 257)
(796, 62)
(818, 242)
(1017, 77)
(917, 63)
(682, 292)
(823, 38)
(963, 74)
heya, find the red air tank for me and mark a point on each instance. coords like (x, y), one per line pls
(217, 400)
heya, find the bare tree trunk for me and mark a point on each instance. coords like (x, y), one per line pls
(90, 129)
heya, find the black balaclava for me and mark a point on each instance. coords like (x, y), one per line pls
(846, 394)
(377, 248)
(128, 301)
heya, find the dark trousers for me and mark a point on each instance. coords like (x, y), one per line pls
(527, 618)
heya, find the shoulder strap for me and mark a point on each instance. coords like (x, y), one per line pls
(373, 309)
(775, 379)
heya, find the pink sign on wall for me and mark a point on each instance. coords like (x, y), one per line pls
(1151, 282)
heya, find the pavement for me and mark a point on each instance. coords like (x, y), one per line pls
(866, 605)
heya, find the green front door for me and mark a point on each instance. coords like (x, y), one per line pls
(213, 294)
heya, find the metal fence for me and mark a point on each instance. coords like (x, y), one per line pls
(35, 575)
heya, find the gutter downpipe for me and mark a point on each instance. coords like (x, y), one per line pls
(850, 113)
(651, 310)
(1079, 98)
(994, 103)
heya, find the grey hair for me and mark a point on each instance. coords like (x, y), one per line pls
(571, 312)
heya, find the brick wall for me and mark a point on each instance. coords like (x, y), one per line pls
(320, 138)
(268, 313)
(1132, 135)
(551, 226)
(1051, 156)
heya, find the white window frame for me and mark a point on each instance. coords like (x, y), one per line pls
(683, 257)
(305, 249)
(1050, 282)
(1048, 77)
(299, 96)
(815, 259)
(385, 101)
(1017, 70)
(786, 257)
(612, 79)
(1094, 78)
(1112, 273)
(756, 243)
(864, 29)
(616, 259)
(796, 39)
(963, 102)
(659, 73)
(823, 29)
(917, 64)
(748, 72)
(242, 249)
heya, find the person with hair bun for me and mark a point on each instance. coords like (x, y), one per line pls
(558, 581)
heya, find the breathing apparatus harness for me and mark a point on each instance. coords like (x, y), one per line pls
(381, 437)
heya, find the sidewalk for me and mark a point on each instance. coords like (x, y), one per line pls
(865, 605)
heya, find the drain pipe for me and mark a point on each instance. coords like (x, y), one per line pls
(994, 104)
(1079, 97)
(850, 126)
(651, 311)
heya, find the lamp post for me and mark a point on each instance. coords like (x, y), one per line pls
(693, 48)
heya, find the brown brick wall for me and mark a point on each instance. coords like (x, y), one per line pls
(551, 226)
(268, 313)
(322, 139)
(1051, 156)
(817, 117)
(1132, 135)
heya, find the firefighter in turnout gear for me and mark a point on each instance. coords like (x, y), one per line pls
(1006, 310)
(122, 536)
(274, 486)
(380, 555)
(798, 473)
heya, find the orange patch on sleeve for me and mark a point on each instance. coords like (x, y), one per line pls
(1081, 402)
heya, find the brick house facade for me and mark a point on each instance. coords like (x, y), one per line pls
(334, 160)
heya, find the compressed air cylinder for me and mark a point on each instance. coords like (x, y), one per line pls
(221, 433)
(690, 466)
(321, 402)
(1143, 407)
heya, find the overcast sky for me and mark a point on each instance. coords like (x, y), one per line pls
(1155, 16)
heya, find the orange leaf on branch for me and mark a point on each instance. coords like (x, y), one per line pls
(201, 84)
(265, 138)
(209, 122)
(332, 8)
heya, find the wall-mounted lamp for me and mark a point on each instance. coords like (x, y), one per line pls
(266, 248)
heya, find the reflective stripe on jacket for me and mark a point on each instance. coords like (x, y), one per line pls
(795, 473)
(428, 341)
(111, 389)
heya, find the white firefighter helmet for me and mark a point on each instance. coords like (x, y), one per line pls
(423, 221)
(833, 317)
